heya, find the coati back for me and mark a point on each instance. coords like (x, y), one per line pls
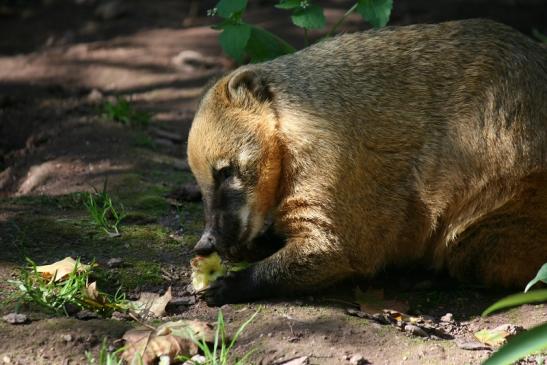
(425, 142)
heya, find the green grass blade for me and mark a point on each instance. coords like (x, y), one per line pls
(241, 329)
(535, 296)
(533, 340)
(220, 323)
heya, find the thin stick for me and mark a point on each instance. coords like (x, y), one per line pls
(341, 20)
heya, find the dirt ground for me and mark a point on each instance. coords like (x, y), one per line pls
(59, 62)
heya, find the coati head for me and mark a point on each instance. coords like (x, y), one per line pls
(235, 156)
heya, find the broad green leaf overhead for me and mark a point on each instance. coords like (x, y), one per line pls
(225, 8)
(310, 17)
(531, 341)
(288, 4)
(263, 46)
(233, 40)
(534, 296)
(541, 276)
(376, 12)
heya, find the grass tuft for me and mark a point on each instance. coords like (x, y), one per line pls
(103, 212)
(123, 112)
(63, 297)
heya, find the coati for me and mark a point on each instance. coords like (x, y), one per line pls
(422, 143)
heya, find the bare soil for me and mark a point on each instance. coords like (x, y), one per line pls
(59, 63)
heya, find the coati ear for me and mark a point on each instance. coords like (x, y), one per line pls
(245, 85)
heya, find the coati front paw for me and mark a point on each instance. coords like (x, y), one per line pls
(231, 288)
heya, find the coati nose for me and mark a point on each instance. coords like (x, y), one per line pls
(205, 245)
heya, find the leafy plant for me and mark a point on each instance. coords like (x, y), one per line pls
(105, 357)
(531, 341)
(103, 212)
(540, 276)
(240, 39)
(59, 296)
(539, 36)
(123, 112)
(221, 354)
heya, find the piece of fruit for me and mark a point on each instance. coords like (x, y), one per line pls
(205, 270)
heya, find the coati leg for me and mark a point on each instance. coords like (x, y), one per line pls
(303, 265)
(508, 246)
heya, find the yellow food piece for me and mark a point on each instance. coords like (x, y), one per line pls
(205, 270)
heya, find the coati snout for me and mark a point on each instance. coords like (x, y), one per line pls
(420, 143)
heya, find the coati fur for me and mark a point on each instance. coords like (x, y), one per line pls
(422, 143)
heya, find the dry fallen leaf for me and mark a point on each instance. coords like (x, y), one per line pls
(152, 304)
(498, 335)
(169, 340)
(61, 269)
(491, 337)
(398, 316)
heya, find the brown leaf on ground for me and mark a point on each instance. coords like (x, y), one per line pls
(200, 330)
(91, 291)
(171, 339)
(61, 269)
(152, 304)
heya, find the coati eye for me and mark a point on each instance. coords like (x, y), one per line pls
(222, 174)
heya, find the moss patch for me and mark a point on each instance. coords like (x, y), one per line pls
(140, 274)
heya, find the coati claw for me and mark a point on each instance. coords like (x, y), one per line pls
(235, 287)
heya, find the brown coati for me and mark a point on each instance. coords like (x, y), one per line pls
(417, 143)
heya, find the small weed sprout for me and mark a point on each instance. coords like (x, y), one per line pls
(103, 212)
(123, 112)
(220, 354)
(106, 357)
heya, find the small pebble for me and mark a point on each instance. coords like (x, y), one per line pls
(196, 359)
(67, 338)
(415, 330)
(6, 359)
(114, 262)
(302, 360)
(448, 317)
(473, 346)
(95, 96)
(86, 314)
(15, 318)
(111, 10)
(357, 359)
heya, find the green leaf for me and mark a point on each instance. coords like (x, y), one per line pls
(376, 12)
(263, 45)
(541, 276)
(534, 296)
(233, 40)
(539, 36)
(288, 4)
(311, 17)
(533, 340)
(225, 8)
